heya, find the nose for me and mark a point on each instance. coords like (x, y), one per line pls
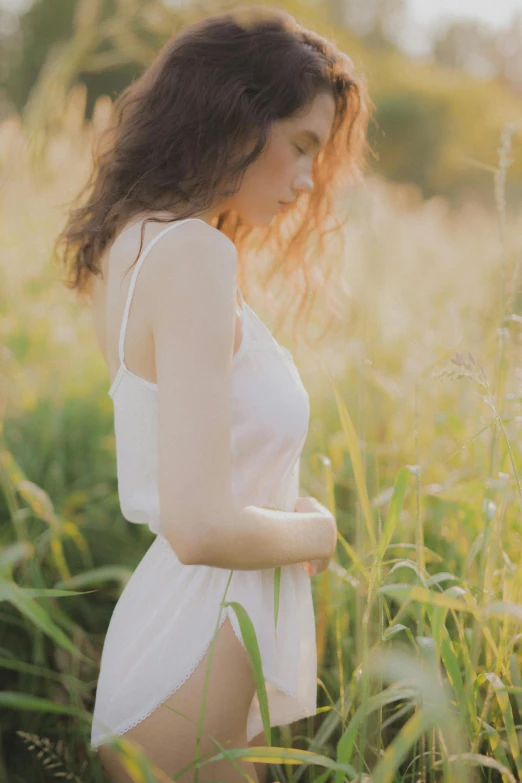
(303, 183)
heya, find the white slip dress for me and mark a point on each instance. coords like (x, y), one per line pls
(166, 615)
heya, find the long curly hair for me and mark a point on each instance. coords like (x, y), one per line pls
(182, 134)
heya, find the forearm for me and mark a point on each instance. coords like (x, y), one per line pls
(258, 537)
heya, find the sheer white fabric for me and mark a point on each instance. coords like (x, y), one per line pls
(165, 618)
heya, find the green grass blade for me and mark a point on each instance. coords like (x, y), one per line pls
(249, 637)
(357, 465)
(36, 614)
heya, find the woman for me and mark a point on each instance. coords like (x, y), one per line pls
(238, 113)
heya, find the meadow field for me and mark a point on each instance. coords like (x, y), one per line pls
(414, 444)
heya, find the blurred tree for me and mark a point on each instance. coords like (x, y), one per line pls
(415, 129)
(45, 22)
(507, 53)
(377, 22)
(111, 42)
(482, 50)
(10, 55)
(42, 32)
(466, 44)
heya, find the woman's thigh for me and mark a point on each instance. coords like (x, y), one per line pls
(168, 739)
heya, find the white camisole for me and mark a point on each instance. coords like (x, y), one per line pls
(165, 618)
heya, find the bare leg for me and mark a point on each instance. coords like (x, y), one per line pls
(168, 740)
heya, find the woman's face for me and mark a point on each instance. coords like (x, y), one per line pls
(284, 168)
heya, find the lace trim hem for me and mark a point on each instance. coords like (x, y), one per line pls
(123, 729)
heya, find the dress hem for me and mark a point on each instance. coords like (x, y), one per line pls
(124, 728)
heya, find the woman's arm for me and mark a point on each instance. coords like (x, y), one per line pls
(190, 294)
(258, 537)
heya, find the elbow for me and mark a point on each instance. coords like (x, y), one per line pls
(193, 553)
(188, 551)
(204, 543)
(188, 542)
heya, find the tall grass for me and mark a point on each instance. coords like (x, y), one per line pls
(414, 445)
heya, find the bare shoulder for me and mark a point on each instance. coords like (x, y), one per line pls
(191, 253)
(190, 297)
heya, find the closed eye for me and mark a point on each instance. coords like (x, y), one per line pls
(302, 152)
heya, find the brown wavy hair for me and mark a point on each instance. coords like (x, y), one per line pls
(181, 134)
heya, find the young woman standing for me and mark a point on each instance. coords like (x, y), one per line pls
(237, 114)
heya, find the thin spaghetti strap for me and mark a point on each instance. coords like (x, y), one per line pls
(134, 276)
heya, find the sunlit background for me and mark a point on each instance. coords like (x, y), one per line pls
(415, 429)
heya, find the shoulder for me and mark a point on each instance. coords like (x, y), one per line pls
(193, 260)
(186, 251)
(193, 235)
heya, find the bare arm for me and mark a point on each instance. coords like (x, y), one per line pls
(191, 292)
(263, 538)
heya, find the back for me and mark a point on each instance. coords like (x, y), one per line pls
(110, 295)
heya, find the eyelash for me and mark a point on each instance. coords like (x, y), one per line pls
(302, 152)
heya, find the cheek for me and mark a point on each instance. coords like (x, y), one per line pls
(270, 173)
(278, 165)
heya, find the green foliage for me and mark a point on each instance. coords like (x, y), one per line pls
(416, 128)
(43, 29)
